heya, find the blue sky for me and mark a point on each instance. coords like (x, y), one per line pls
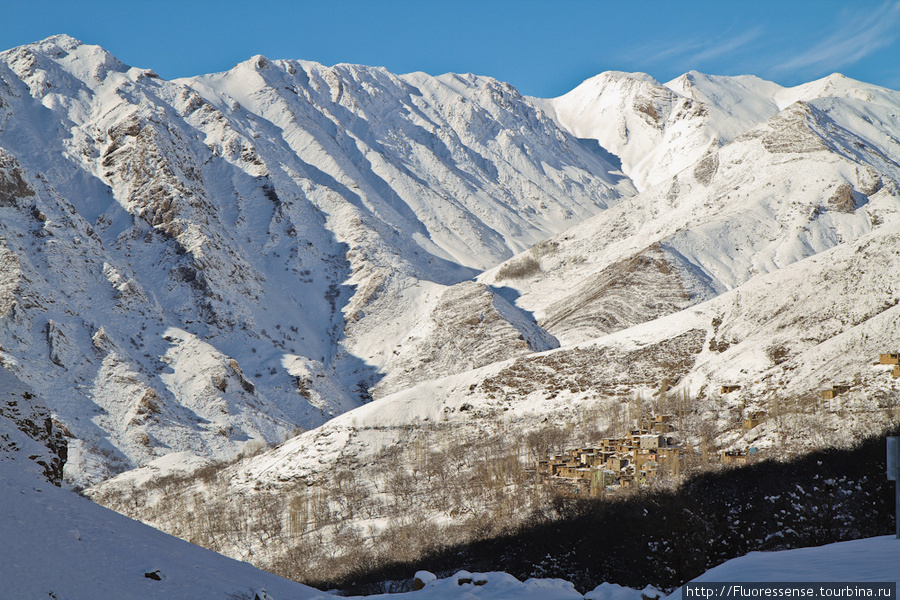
(543, 48)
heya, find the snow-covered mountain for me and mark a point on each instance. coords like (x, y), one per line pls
(768, 263)
(816, 174)
(419, 268)
(198, 263)
(202, 264)
(657, 130)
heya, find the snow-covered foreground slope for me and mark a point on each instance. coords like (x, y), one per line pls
(57, 544)
(868, 560)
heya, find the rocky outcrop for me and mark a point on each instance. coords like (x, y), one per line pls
(27, 430)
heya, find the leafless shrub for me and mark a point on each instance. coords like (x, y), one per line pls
(544, 248)
(520, 268)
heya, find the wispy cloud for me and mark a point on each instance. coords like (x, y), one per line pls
(761, 44)
(723, 47)
(860, 33)
(698, 52)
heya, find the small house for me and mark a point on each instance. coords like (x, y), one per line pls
(835, 391)
(555, 466)
(616, 463)
(662, 428)
(727, 389)
(587, 458)
(731, 457)
(752, 420)
(652, 440)
(649, 470)
(662, 424)
(889, 359)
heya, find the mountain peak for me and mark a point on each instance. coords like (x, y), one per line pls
(60, 40)
(608, 78)
(259, 61)
(65, 52)
(835, 85)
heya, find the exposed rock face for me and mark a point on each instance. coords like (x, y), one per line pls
(791, 132)
(843, 199)
(637, 289)
(12, 186)
(469, 326)
(27, 431)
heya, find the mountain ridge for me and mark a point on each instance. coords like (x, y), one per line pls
(207, 217)
(282, 241)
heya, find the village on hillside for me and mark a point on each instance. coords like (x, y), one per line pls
(652, 450)
(635, 459)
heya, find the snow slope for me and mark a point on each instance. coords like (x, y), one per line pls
(868, 560)
(57, 544)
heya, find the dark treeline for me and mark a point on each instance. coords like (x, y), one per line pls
(665, 537)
